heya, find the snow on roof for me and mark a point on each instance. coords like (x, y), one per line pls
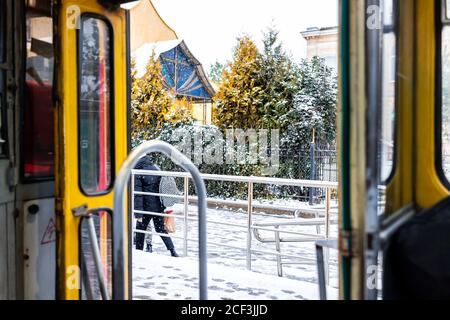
(130, 5)
(314, 31)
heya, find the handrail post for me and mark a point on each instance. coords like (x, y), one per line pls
(97, 257)
(327, 233)
(321, 272)
(119, 243)
(327, 212)
(278, 247)
(185, 211)
(312, 158)
(249, 225)
(133, 218)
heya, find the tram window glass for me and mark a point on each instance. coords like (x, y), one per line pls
(447, 9)
(95, 101)
(389, 65)
(445, 115)
(2, 76)
(38, 122)
(2, 30)
(90, 285)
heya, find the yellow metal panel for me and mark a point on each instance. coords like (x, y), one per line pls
(416, 177)
(358, 105)
(69, 195)
(400, 190)
(429, 189)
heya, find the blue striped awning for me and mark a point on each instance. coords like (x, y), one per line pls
(183, 74)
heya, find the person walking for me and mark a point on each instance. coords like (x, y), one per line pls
(155, 204)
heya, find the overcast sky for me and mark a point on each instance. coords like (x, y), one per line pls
(210, 27)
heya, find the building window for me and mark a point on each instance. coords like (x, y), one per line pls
(331, 61)
(38, 119)
(95, 106)
(447, 9)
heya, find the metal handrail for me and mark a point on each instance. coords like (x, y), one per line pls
(97, 259)
(296, 210)
(252, 179)
(120, 229)
(83, 211)
(392, 224)
(320, 257)
(250, 227)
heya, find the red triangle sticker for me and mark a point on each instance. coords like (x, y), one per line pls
(50, 233)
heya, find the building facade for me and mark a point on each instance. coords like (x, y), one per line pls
(322, 42)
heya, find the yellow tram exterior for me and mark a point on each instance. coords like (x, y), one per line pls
(64, 136)
(83, 183)
(69, 194)
(415, 180)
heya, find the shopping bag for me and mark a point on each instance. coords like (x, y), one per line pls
(169, 222)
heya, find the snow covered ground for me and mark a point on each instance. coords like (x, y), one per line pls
(158, 276)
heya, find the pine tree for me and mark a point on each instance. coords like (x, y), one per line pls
(150, 102)
(152, 105)
(216, 72)
(279, 77)
(314, 110)
(180, 111)
(239, 95)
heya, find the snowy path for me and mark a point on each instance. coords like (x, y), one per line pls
(158, 277)
(157, 274)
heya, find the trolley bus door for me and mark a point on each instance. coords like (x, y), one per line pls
(92, 133)
(7, 228)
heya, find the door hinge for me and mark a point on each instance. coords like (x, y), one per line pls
(346, 244)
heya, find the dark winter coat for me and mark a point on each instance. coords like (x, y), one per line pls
(147, 184)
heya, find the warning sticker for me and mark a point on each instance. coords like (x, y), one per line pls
(50, 233)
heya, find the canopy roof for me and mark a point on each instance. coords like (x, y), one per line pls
(182, 72)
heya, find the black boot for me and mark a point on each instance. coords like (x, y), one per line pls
(173, 253)
(149, 248)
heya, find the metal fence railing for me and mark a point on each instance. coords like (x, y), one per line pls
(315, 163)
(322, 215)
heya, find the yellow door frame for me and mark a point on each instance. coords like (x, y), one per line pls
(68, 192)
(429, 188)
(399, 191)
